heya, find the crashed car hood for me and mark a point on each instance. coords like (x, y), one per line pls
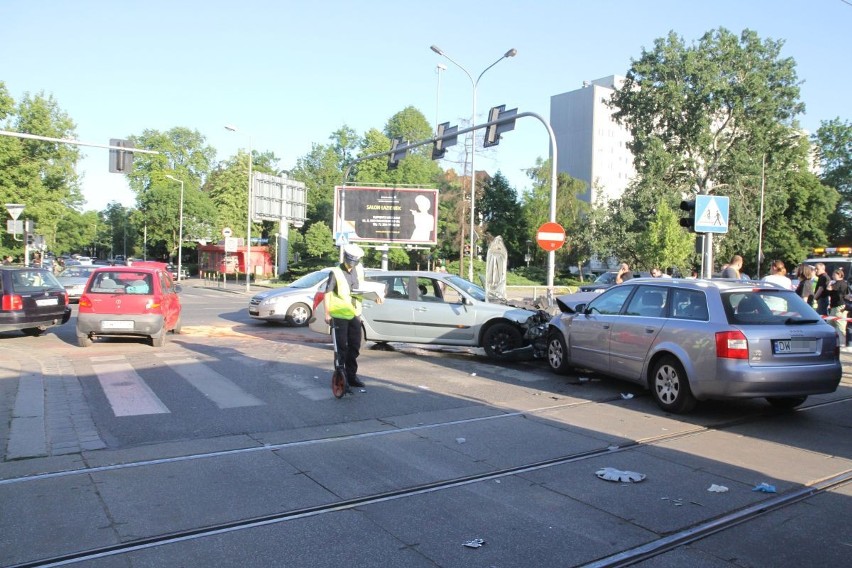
(569, 302)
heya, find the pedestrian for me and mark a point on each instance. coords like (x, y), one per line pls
(343, 311)
(439, 267)
(821, 289)
(623, 273)
(656, 273)
(778, 275)
(8, 259)
(805, 288)
(733, 269)
(838, 289)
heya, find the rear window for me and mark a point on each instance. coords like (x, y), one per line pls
(767, 307)
(27, 281)
(121, 283)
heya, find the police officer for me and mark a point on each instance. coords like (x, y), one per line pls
(345, 309)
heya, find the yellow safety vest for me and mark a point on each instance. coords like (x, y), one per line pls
(341, 303)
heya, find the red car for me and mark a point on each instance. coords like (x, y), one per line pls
(139, 301)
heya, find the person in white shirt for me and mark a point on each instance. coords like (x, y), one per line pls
(778, 275)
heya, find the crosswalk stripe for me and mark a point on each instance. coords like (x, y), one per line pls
(214, 386)
(127, 392)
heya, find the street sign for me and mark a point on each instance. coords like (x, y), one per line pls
(14, 227)
(227, 232)
(711, 213)
(14, 210)
(550, 236)
(231, 244)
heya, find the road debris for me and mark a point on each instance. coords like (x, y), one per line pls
(475, 543)
(717, 488)
(765, 488)
(612, 474)
(626, 395)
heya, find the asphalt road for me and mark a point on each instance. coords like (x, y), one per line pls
(226, 448)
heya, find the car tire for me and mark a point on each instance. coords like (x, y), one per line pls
(159, 339)
(84, 340)
(500, 338)
(299, 314)
(786, 402)
(557, 353)
(34, 331)
(670, 386)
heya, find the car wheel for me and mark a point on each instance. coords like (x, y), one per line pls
(159, 339)
(557, 353)
(299, 314)
(670, 386)
(84, 340)
(500, 338)
(786, 402)
(34, 331)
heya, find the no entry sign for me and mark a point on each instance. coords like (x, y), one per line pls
(550, 236)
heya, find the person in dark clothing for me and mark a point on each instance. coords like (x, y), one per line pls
(838, 289)
(821, 290)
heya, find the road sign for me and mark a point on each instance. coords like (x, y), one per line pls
(227, 232)
(231, 244)
(550, 236)
(711, 213)
(14, 210)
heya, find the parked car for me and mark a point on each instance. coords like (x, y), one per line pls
(129, 301)
(292, 303)
(31, 300)
(173, 270)
(74, 279)
(606, 280)
(437, 308)
(692, 340)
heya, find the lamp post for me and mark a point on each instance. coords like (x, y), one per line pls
(511, 53)
(180, 229)
(440, 67)
(248, 223)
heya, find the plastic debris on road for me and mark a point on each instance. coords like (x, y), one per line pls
(612, 474)
(473, 374)
(583, 379)
(626, 395)
(461, 440)
(475, 543)
(765, 488)
(717, 488)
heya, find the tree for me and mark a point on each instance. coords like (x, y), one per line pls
(833, 142)
(700, 114)
(318, 240)
(502, 215)
(664, 244)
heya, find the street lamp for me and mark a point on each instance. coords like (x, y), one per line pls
(248, 223)
(180, 230)
(440, 67)
(511, 53)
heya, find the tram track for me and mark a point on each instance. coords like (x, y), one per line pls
(621, 558)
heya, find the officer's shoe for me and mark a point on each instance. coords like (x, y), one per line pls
(354, 381)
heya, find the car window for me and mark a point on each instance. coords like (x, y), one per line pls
(309, 280)
(429, 290)
(648, 301)
(396, 287)
(689, 304)
(610, 302)
(469, 287)
(767, 307)
(33, 280)
(108, 282)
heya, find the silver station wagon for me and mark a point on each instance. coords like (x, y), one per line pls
(691, 340)
(436, 308)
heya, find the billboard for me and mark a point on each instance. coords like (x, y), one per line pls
(279, 199)
(386, 214)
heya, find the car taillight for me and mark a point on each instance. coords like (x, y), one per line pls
(731, 345)
(66, 298)
(12, 302)
(318, 300)
(84, 302)
(153, 304)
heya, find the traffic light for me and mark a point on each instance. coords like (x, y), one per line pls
(688, 205)
(493, 132)
(467, 249)
(444, 137)
(120, 161)
(30, 239)
(399, 149)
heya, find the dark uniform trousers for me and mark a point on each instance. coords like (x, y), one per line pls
(347, 334)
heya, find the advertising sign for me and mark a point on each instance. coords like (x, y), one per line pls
(386, 214)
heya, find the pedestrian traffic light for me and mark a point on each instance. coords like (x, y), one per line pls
(120, 161)
(688, 205)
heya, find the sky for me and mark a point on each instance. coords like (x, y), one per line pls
(289, 73)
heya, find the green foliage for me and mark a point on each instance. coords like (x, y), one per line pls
(834, 152)
(664, 243)
(503, 216)
(318, 240)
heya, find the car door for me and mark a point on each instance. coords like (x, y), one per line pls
(590, 331)
(393, 319)
(441, 314)
(171, 301)
(633, 332)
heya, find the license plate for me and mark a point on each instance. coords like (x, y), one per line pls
(47, 302)
(784, 346)
(253, 312)
(125, 325)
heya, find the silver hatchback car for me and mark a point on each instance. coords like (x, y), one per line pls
(691, 340)
(438, 309)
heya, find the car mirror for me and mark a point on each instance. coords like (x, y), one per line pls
(178, 288)
(580, 308)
